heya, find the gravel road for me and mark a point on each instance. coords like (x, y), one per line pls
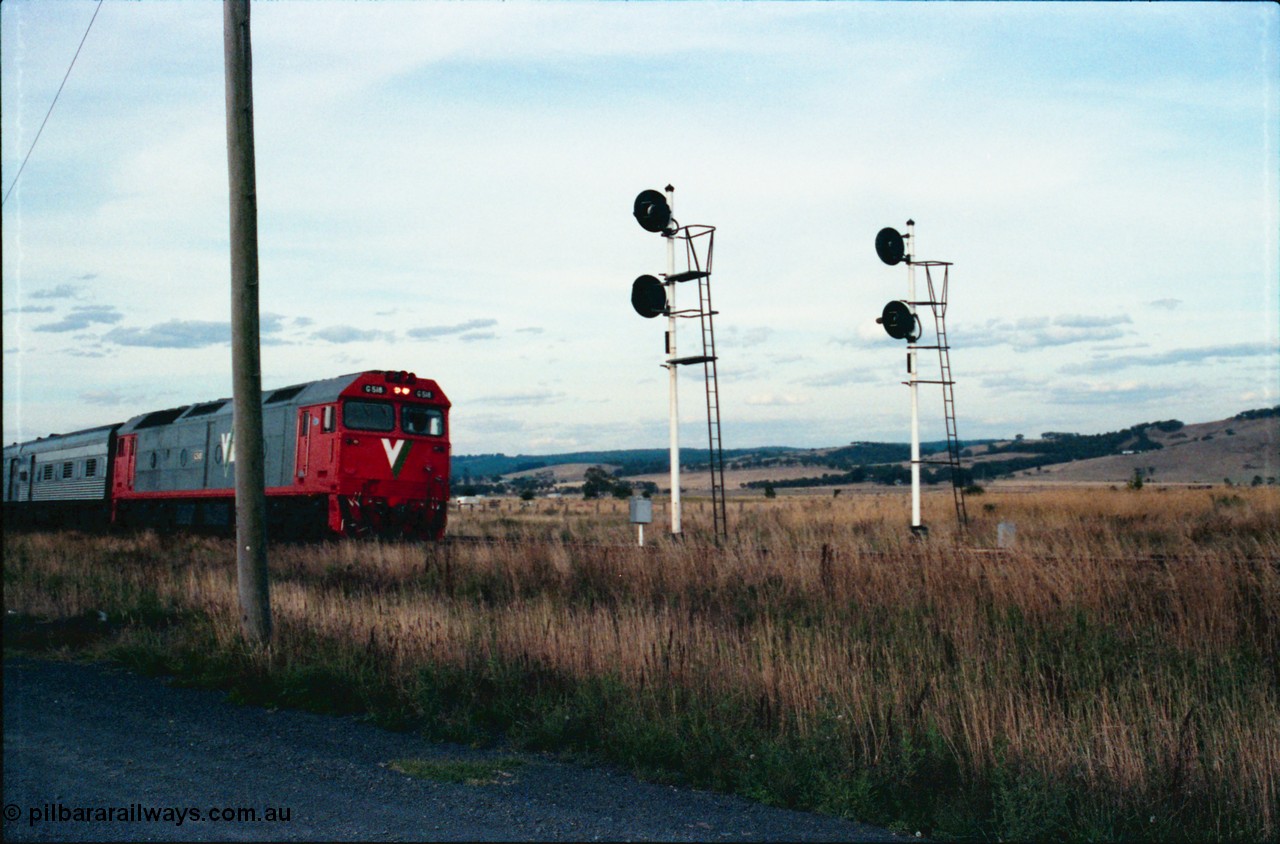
(94, 737)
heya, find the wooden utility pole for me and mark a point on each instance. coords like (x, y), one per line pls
(246, 364)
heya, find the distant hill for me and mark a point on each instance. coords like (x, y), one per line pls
(1243, 449)
(480, 467)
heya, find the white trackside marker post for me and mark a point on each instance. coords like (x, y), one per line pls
(671, 368)
(912, 378)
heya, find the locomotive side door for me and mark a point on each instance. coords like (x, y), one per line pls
(11, 494)
(302, 459)
(122, 476)
(316, 446)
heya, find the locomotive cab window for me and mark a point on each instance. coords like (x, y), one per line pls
(368, 415)
(422, 420)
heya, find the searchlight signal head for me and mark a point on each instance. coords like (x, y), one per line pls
(652, 211)
(890, 246)
(899, 322)
(648, 297)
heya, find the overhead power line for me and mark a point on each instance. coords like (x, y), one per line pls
(52, 104)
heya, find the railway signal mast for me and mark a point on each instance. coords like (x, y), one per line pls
(901, 322)
(651, 297)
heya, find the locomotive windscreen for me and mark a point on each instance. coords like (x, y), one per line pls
(422, 420)
(368, 415)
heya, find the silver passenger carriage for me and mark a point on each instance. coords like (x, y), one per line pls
(47, 479)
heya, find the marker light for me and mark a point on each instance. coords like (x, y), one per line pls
(648, 296)
(899, 323)
(890, 246)
(651, 211)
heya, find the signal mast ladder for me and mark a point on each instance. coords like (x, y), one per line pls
(938, 304)
(699, 271)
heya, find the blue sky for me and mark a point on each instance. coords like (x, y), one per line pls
(447, 188)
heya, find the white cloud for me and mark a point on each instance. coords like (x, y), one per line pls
(82, 317)
(174, 334)
(774, 400)
(1183, 356)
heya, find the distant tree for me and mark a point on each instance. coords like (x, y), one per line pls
(1136, 481)
(596, 482)
(526, 494)
(769, 491)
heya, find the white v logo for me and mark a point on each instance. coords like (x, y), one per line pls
(393, 451)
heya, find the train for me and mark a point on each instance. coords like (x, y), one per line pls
(364, 454)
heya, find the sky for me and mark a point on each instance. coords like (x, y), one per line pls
(447, 188)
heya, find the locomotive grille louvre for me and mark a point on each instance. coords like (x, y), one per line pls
(284, 394)
(207, 408)
(160, 417)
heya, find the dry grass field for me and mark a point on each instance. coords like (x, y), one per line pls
(1112, 674)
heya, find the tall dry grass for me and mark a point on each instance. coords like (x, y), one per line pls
(1112, 674)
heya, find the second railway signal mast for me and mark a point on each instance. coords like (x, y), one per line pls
(901, 322)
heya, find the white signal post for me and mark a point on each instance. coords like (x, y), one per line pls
(674, 398)
(912, 381)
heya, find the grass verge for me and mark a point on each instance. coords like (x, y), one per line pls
(1078, 687)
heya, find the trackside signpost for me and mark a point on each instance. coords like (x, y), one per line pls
(641, 515)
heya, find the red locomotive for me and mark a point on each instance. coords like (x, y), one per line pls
(357, 455)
